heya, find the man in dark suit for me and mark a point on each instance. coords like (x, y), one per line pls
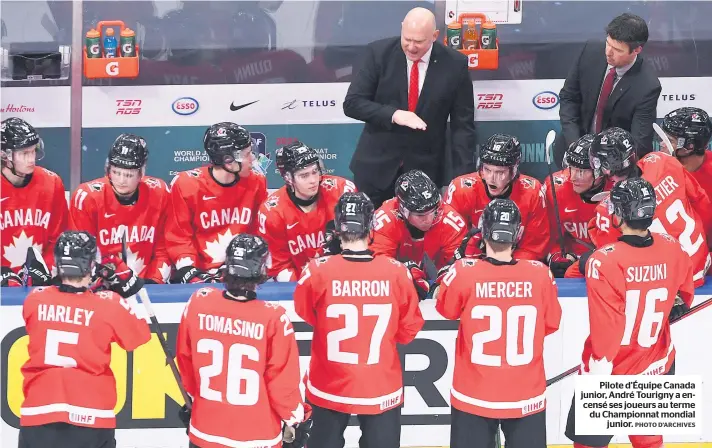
(611, 86)
(404, 92)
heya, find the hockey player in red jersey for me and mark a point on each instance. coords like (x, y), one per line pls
(575, 187)
(416, 222)
(292, 220)
(69, 387)
(126, 205)
(689, 130)
(239, 360)
(633, 285)
(360, 305)
(682, 205)
(33, 209)
(212, 204)
(498, 177)
(499, 378)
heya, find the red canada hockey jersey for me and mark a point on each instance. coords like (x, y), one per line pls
(95, 209)
(631, 291)
(575, 214)
(467, 194)
(359, 309)
(392, 238)
(703, 176)
(682, 207)
(205, 216)
(67, 377)
(32, 216)
(240, 363)
(505, 311)
(294, 236)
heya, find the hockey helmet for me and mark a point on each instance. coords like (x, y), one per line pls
(612, 153)
(224, 142)
(691, 126)
(633, 199)
(501, 150)
(17, 134)
(294, 157)
(353, 213)
(416, 194)
(129, 151)
(248, 257)
(75, 253)
(577, 155)
(501, 222)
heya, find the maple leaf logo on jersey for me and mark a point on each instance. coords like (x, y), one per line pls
(535, 263)
(394, 261)
(165, 271)
(203, 292)
(49, 173)
(216, 249)
(274, 305)
(272, 202)
(152, 182)
(134, 262)
(527, 183)
(328, 184)
(559, 180)
(16, 252)
(469, 261)
(194, 173)
(652, 157)
(607, 249)
(97, 186)
(321, 260)
(468, 182)
(183, 262)
(106, 295)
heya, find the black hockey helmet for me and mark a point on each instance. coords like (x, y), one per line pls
(612, 153)
(353, 213)
(75, 253)
(129, 151)
(224, 141)
(416, 193)
(633, 199)
(294, 157)
(248, 257)
(577, 155)
(17, 134)
(501, 222)
(501, 150)
(691, 126)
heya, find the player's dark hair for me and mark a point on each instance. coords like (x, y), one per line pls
(630, 29)
(234, 284)
(640, 224)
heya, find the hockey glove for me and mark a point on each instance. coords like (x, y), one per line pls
(301, 434)
(119, 277)
(332, 243)
(436, 284)
(559, 263)
(475, 246)
(35, 272)
(9, 278)
(184, 416)
(422, 286)
(191, 274)
(679, 309)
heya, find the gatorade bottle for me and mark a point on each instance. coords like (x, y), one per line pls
(454, 35)
(128, 43)
(110, 44)
(93, 44)
(488, 38)
(469, 41)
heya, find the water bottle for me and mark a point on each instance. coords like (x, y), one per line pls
(110, 44)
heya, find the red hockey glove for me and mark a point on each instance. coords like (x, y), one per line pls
(422, 286)
(559, 263)
(120, 278)
(9, 278)
(475, 246)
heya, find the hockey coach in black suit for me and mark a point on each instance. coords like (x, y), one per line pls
(405, 90)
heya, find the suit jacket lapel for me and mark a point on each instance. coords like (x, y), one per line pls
(402, 77)
(431, 76)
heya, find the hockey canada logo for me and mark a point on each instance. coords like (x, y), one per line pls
(328, 184)
(528, 183)
(272, 202)
(468, 182)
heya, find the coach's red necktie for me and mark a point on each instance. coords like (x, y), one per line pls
(413, 90)
(603, 98)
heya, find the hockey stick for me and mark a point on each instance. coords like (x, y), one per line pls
(169, 356)
(691, 311)
(124, 252)
(550, 137)
(664, 138)
(431, 271)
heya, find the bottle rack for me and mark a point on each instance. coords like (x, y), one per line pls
(118, 67)
(479, 59)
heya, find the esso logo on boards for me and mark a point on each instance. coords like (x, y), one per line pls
(546, 100)
(185, 106)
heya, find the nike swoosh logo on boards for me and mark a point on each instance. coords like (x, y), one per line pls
(234, 108)
(207, 198)
(108, 215)
(570, 210)
(291, 226)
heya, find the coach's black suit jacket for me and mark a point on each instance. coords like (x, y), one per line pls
(381, 87)
(631, 106)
